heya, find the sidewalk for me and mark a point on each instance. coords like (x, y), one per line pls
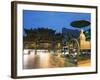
(85, 63)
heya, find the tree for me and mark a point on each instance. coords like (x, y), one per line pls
(88, 34)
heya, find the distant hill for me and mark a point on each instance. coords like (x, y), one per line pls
(70, 34)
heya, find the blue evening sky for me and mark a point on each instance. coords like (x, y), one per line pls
(53, 20)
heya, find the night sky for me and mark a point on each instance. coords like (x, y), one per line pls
(53, 20)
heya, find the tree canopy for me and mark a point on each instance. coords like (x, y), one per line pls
(80, 23)
(42, 34)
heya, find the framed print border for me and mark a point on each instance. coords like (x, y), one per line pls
(14, 38)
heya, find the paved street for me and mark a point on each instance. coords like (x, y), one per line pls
(44, 59)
